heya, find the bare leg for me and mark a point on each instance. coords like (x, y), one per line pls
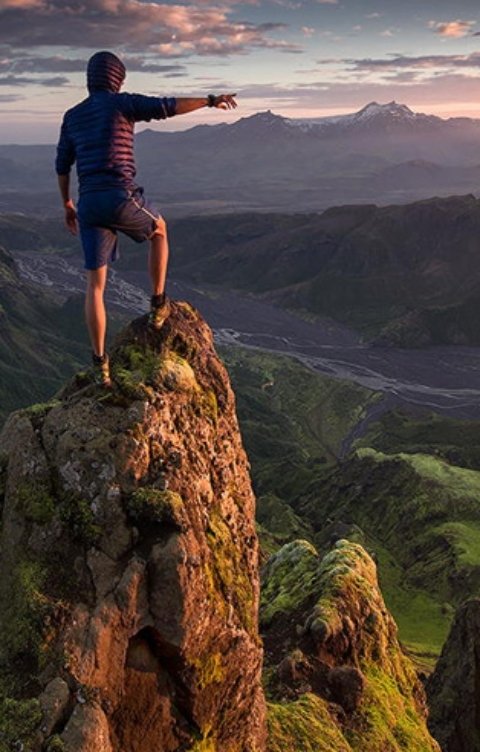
(158, 258)
(95, 314)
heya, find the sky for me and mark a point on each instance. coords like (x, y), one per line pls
(298, 58)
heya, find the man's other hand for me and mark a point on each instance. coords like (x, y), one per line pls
(71, 218)
(226, 101)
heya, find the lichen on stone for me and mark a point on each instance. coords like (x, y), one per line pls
(209, 669)
(228, 571)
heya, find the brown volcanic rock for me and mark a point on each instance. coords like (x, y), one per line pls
(130, 547)
(453, 688)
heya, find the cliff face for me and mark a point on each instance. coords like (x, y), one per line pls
(453, 688)
(336, 675)
(129, 587)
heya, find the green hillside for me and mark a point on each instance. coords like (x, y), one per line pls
(43, 340)
(412, 497)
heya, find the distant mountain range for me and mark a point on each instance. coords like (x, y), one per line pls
(381, 154)
(372, 118)
(402, 275)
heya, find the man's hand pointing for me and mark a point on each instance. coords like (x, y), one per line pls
(226, 101)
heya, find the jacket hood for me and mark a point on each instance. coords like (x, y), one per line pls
(105, 72)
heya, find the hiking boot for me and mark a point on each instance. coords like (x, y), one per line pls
(101, 370)
(159, 311)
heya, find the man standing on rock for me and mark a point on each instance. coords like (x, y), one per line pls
(97, 134)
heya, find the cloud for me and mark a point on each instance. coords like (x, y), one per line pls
(308, 31)
(401, 68)
(12, 63)
(54, 82)
(452, 29)
(328, 2)
(422, 62)
(10, 98)
(132, 25)
(21, 4)
(11, 80)
(317, 97)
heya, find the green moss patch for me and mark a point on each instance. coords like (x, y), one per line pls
(289, 577)
(55, 744)
(35, 503)
(227, 573)
(152, 505)
(79, 516)
(304, 725)
(40, 409)
(138, 371)
(19, 720)
(387, 718)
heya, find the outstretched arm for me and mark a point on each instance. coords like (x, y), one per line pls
(188, 104)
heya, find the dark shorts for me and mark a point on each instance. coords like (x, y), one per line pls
(101, 214)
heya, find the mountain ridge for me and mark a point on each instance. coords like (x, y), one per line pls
(268, 161)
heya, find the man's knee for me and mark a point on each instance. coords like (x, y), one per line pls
(160, 227)
(96, 279)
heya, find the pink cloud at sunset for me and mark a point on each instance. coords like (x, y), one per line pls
(453, 29)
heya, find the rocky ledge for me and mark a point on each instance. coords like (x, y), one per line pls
(129, 589)
(335, 673)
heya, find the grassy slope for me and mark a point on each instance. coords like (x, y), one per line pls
(42, 341)
(418, 510)
(421, 517)
(293, 420)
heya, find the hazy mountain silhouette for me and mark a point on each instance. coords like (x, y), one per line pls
(382, 153)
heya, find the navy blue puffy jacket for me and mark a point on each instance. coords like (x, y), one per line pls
(98, 133)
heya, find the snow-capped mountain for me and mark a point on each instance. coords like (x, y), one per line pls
(371, 117)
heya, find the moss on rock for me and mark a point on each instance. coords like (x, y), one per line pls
(55, 744)
(347, 652)
(79, 515)
(35, 502)
(19, 720)
(209, 669)
(306, 725)
(149, 504)
(228, 572)
(21, 620)
(289, 577)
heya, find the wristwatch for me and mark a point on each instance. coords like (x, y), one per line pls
(211, 99)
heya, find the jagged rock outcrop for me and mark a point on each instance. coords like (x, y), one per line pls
(337, 678)
(453, 688)
(129, 588)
